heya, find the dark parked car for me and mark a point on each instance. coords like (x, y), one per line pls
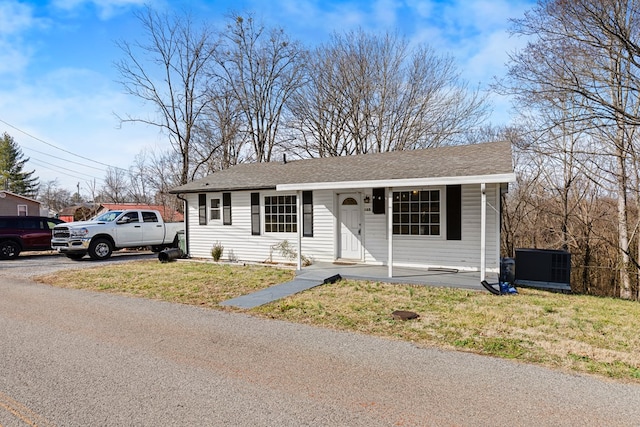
(25, 233)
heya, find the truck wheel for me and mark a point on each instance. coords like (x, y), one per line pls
(9, 249)
(75, 257)
(100, 249)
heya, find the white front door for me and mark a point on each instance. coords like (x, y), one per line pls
(350, 226)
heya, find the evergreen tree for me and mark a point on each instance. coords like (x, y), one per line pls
(12, 176)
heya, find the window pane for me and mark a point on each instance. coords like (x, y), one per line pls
(280, 214)
(214, 211)
(416, 212)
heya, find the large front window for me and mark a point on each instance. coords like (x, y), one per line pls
(416, 212)
(280, 214)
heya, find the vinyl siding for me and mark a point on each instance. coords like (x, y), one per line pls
(436, 251)
(240, 244)
(419, 251)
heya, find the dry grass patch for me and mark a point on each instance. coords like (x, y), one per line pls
(571, 332)
(195, 283)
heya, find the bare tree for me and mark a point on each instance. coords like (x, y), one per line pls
(168, 72)
(223, 140)
(585, 52)
(163, 174)
(369, 93)
(52, 196)
(139, 190)
(115, 186)
(260, 68)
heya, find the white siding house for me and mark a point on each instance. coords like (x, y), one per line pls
(436, 207)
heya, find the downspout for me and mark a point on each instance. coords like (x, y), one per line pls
(186, 223)
(483, 231)
(390, 230)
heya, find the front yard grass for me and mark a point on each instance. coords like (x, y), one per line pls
(574, 333)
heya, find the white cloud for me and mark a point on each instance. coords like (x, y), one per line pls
(106, 9)
(73, 109)
(17, 19)
(385, 13)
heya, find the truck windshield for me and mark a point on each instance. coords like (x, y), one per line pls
(108, 216)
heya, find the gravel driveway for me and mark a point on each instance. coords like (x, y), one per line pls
(75, 358)
(30, 264)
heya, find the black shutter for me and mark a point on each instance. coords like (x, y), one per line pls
(307, 214)
(226, 208)
(454, 212)
(378, 201)
(255, 214)
(202, 208)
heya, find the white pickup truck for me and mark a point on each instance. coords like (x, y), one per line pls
(114, 230)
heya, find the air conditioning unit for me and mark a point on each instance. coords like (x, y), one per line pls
(543, 268)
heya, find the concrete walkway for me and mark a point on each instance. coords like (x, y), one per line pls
(320, 273)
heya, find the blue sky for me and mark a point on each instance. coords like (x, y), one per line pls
(58, 89)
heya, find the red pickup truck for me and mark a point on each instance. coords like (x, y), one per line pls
(25, 233)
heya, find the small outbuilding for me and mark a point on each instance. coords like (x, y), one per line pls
(428, 208)
(12, 204)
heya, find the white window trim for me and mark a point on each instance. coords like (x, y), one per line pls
(211, 208)
(443, 219)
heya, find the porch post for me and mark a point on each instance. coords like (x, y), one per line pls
(300, 225)
(390, 230)
(483, 231)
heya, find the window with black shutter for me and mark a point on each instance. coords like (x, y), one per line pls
(378, 200)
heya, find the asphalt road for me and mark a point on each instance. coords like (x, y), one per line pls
(79, 358)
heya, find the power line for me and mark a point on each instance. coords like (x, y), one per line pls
(64, 160)
(58, 148)
(57, 169)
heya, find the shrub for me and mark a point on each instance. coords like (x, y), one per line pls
(216, 251)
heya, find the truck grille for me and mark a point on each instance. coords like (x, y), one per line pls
(61, 232)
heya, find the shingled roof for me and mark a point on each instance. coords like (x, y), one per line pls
(455, 164)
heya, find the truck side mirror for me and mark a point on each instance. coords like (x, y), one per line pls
(124, 220)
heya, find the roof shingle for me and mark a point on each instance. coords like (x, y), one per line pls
(451, 161)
